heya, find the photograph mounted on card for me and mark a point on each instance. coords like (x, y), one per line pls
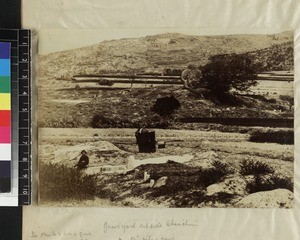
(166, 118)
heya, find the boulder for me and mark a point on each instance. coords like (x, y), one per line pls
(161, 182)
(232, 185)
(278, 198)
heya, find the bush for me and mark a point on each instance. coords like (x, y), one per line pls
(274, 182)
(165, 106)
(58, 183)
(250, 167)
(100, 121)
(272, 136)
(213, 175)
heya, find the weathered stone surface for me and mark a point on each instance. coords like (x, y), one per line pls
(70, 154)
(161, 182)
(133, 163)
(278, 198)
(232, 185)
(204, 159)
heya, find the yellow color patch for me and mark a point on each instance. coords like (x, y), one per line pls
(4, 101)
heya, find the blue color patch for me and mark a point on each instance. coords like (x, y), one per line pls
(4, 67)
(4, 50)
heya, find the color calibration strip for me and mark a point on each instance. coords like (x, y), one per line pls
(20, 117)
(5, 117)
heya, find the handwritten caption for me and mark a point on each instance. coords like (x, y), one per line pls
(72, 235)
(129, 230)
(138, 230)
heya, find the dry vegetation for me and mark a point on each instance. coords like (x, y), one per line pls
(219, 159)
(230, 162)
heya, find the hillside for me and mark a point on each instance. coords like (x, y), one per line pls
(155, 53)
(123, 108)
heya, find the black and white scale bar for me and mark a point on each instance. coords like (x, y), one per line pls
(24, 107)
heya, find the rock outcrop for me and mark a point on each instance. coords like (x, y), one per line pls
(278, 198)
(234, 185)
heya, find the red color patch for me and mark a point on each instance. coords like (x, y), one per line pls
(5, 119)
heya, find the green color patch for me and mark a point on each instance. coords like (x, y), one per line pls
(5, 86)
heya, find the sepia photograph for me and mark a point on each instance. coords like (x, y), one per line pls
(166, 118)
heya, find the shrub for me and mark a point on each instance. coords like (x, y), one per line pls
(222, 167)
(213, 175)
(165, 106)
(191, 77)
(58, 183)
(274, 182)
(100, 121)
(250, 167)
(271, 136)
(288, 99)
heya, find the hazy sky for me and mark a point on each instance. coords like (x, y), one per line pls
(54, 40)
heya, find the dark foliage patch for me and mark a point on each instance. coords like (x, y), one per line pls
(165, 106)
(274, 182)
(251, 167)
(272, 136)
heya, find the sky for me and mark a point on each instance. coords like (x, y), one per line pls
(54, 40)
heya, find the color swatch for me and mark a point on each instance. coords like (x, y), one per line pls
(5, 117)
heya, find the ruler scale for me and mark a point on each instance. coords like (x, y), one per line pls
(5, 118)
(21, 110)
(24, 118)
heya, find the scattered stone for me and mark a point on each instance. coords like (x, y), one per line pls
(233, 185)
(152, 182)
(278, 198)
(146, 176)
(161, 182)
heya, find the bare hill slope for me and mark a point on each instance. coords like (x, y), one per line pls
(154, 53)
